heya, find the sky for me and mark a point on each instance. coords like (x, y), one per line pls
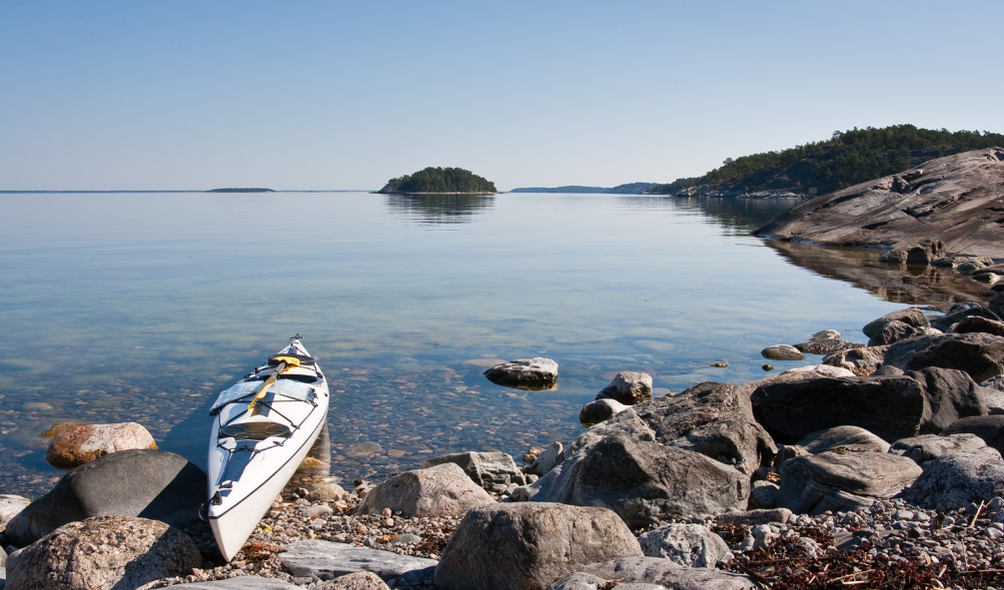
(326, 94)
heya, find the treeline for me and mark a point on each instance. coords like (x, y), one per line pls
(439, 180)
(844, 160)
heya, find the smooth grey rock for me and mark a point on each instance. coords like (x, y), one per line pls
(851, 437)
(953, 480)
(988, 428)
(105, 552)
(628, 387)
(657, 570)
(10, 506)
(782, 352)
(891, 407)
(952, 197)
(484, 468)
(669, 456)
(441, 490)
(535, 373)
(528, 545)
(860, 361)
(832, 480)
(546, 461)
(977, 353)
(927, 447)
(327, 560)
(826, 346)
(911, 316)
(754, 517)
(692, 545)
(147, 483)
(599, 410)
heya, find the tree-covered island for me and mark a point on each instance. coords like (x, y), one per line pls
(439, 181)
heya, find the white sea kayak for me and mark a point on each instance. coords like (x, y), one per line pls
(263, 428)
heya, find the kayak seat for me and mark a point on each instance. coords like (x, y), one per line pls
(254, 430)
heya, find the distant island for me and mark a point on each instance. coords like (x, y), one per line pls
(846, 159)
(241, 190)
(634, 188)
(439, 181)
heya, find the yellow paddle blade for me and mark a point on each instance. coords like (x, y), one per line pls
(291, 361)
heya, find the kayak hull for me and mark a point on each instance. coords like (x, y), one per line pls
(257, 442)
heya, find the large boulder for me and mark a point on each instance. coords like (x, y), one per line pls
(664, 573)
(988, 428)
(847, 480)
(628, 387)
(670, 456)
(890, 406)
(528, 545)
(895, 331)
(484, 469)
(536, 373)
(692, 545)
(106, 552)
(86, 442)
(150, 484)
(927, 447)
(848, 437)
(959, 312)
(441, 490)
(977, 353)
(911, 316)
(979, 324)
(955, 479)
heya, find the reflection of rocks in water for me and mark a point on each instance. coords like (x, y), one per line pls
(457, 208)
(937, 287)
(743, 215)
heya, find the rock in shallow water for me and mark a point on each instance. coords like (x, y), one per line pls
(782, 352)
(86, 442)
(535, 373)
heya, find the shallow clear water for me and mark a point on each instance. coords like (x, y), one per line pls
(138, 306)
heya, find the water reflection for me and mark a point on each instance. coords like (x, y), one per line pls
(448, 208)
(740, 216)
(932, 287)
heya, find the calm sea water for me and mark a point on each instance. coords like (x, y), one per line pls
(141, 307)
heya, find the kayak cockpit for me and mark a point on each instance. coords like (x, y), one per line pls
(255, 431)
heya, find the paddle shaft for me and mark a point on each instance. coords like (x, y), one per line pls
(272, 378)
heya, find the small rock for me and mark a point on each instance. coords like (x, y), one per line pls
(599, 410)
(782, 352)
(536, 373)
(628, 387)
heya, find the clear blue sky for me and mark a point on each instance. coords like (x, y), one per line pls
(322, 94)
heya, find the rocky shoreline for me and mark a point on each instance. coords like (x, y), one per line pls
(880, 467)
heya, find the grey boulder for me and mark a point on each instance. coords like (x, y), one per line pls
(847, 480)
(670, 456)
(988, 428)
(528, 545)
(848, 437)
(536, 373)
(826, 346)
(959, 312)
(911, 316)
(326, 560)
(105, 552)
(890, 406)
(860, 361)
(484, 469)
(927, 447)
(628, 387)
(955, 479)
(441, 490)
(146, 483)
(782, 352)
(599, 410)
(692, 545)
(979, 354)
